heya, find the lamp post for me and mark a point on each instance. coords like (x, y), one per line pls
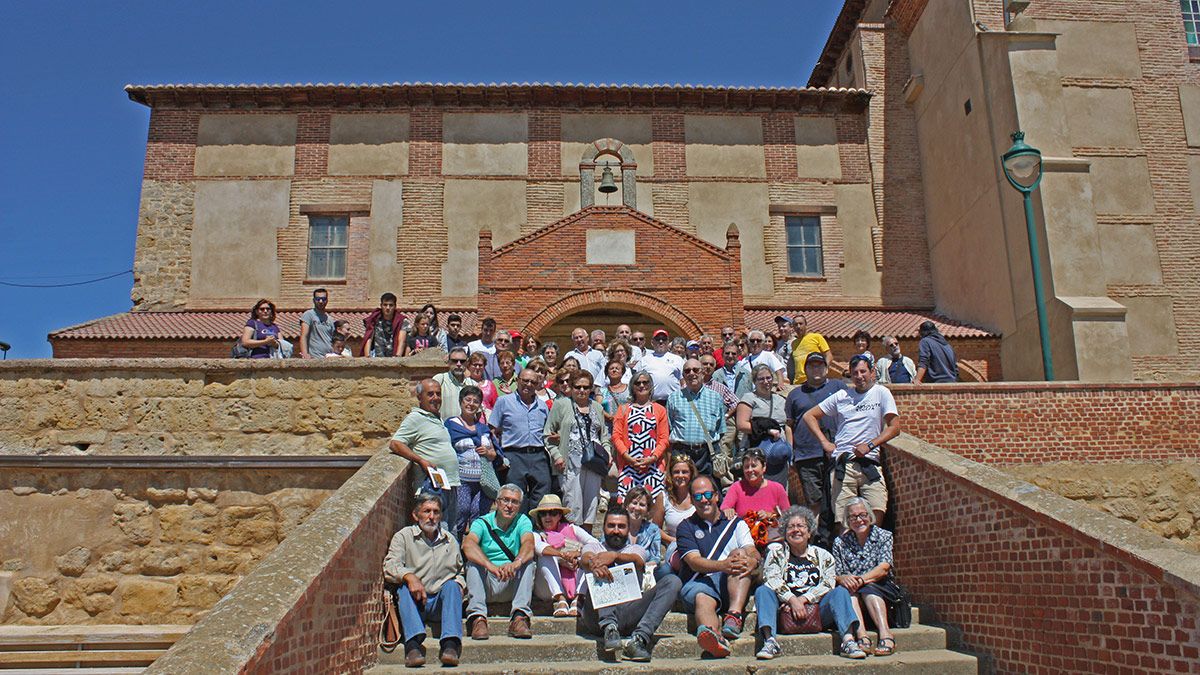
(1023, 169)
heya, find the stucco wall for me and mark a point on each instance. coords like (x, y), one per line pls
(204, 406)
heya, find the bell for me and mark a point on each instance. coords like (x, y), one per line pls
(607, 184)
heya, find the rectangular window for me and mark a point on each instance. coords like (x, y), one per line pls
(804, 246)
(1191, 21)
(327, 246)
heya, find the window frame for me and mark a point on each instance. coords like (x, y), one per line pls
(1190, 16)
(344, 247)
(813, 218)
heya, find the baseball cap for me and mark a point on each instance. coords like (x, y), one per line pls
(814, 356)
(692, 344)
(660, 332)
(779, 318)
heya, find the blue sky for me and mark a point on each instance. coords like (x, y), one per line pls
(72, 144)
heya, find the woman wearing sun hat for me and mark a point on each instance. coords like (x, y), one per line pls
(559, 545)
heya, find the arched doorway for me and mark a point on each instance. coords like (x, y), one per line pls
(606, 309)
(606, 319)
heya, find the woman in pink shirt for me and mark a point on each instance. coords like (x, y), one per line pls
(754, 494)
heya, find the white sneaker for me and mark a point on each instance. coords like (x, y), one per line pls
(770, 650)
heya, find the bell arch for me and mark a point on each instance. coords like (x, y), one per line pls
(587, 171)
(647, 305)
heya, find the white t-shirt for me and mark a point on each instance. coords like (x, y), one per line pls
(478, 346)
(859, 417)
(666, 370)
(763, 358)
(592, 360)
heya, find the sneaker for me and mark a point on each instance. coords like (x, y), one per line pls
(851, 650)
(612, 638)
(637, 649)
(519, 628)
(770, 650)
(451, 652)
(712, 643)
(479, 628)
(732, 628)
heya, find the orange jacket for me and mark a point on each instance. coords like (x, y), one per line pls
(662, 433)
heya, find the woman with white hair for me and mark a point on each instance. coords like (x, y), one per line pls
(863, 555)
(799, 593)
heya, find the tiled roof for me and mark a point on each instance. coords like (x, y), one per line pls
(216, 86)
(844, 323)
(227, 325)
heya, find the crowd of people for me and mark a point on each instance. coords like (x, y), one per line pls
(724, 470)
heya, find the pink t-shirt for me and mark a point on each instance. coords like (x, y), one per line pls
(763, 498)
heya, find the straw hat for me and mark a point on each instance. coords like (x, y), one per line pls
(549, 503)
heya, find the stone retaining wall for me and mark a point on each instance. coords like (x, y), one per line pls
(205, 406)
(141, 546)
(1161, 497)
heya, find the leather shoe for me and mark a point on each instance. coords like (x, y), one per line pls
(519, 627)
(479, 628)
(450, 652)
(414, 656)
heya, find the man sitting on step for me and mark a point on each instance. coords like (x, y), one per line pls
(499, 553)
(718, 560)
(426, 563)
(637, 618)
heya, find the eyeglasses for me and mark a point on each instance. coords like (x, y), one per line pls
(703, 496)
(860, 516)
(509, 500)
(754, 341)
(583, 387)
(458, 360)
(691, 370)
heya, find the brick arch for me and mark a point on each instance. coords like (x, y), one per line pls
(587, 171)
(599, 297)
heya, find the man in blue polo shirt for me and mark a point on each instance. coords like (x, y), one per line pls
(518, 420)
(719, 559)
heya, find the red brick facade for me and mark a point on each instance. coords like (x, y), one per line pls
(692, 286)
(1030, 593)
(1007, 423)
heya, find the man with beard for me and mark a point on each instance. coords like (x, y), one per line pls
(426, 564)
(637, 618)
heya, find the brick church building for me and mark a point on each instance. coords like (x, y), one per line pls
(873, 198)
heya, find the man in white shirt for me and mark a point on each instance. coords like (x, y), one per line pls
(591, 360)
(637, 342)
(758, 356)
(487, 338)
(866, 418)
(666, 368)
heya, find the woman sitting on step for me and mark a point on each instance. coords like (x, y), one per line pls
(559, 546)
(799, 594)
(863, 555)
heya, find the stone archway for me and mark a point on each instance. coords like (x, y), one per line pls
(642, 304)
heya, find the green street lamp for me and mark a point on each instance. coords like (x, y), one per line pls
(1023, 169)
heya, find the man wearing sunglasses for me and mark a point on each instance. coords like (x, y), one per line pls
(697, 418)
(452, 381)
(718, 559)
(316, 328)
(758, 355)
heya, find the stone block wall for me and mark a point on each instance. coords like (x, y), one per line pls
(123, 545)
(204, 406)
(1161, 497)
(1034, 582)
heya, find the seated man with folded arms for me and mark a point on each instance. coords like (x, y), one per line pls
(498, 549)
(637, 618)
(718, 561)
(425, 562)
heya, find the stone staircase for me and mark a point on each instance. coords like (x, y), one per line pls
(94, 650)
(555, 648)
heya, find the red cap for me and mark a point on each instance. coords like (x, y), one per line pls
(660, 332)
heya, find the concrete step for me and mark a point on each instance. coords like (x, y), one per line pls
(926, 662)
(84, 658)
(47, 638)
(545, 648)
(675, 622)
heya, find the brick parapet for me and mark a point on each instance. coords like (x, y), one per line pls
(1034, 582)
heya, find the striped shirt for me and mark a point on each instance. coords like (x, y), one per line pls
(685, 428)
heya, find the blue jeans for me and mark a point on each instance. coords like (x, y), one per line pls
(446, 603)
(836, 610)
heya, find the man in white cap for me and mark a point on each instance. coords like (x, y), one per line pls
(665, 367)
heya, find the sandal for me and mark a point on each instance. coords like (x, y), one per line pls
(884, 648)
(864, 643)
(574, 610)
(561, 608)
(851, 650)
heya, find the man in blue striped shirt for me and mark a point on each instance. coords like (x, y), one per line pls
(697, 418)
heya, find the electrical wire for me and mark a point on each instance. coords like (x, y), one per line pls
(76, 283)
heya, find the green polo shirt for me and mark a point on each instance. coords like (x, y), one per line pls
(511, 537)
(427, 436)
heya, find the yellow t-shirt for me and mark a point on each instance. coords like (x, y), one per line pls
(801, 348)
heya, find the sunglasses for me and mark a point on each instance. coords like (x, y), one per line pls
(458, 360)
(691, 370)
(754, 341)
(641, 383)
(703, 496)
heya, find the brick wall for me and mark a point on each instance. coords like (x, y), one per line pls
(1044, 422)
(281, 618)
(1035, 583)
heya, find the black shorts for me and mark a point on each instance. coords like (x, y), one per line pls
(812, 473)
